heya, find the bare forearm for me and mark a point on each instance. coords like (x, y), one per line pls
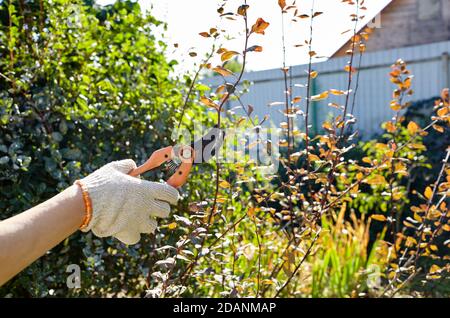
(29, 235)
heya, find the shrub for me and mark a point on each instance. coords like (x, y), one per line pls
(80, 86)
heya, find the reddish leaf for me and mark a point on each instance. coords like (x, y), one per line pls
(260, 26)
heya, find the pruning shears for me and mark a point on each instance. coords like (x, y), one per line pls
(178, 160)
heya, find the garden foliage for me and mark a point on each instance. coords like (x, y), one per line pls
(82, 85)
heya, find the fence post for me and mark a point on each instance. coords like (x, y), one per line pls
(445, 60)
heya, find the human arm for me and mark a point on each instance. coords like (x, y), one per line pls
(29, 235)
(123, 207)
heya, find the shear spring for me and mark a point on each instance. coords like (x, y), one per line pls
(171, 167)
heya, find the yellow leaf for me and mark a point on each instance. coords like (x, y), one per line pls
(228, 55)
(418, 146)
(378, 217)
(220, 89)
(337, 92)
(410, 241)
(251, 212)
(334, 105)
(314, 74)
(362, 47)
(260, 26)
(297, 99)
(417, 217)
(400, 168)
(349, 69)
(413, 128)
(221, 50)
(428, 193)
(222, 71)
(354, 190)
(326, 125)
(442, 112)
(282, 4)
(395, 106)
(407, 224)
(209, 102)
(313, 157)
(319, 97)
(376, 180)
(381, 146)
(438, 128)
(224, 184)
(221, 199)
(172, 226)
(433, 247)
(435, 269)
(390, 127)
(267, 282)
(397, 195)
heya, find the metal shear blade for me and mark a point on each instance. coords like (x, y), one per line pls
(207, 147)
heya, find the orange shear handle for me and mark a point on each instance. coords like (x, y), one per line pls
(178, 179)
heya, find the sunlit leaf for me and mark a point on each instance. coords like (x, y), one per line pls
(337, 92)
(428, 193)
(378, 217)
(296, 99)
(260, 26)
(319, 97)
(376, 180)
(209, 102)
(172, 226)
(434, 269)
(413, 128)
(224, 184)
(390, 127)
(228, 55)
(438, 128)
(222, 71)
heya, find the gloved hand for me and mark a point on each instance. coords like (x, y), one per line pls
(125, 206)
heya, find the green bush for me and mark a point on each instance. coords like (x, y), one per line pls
(81, 86)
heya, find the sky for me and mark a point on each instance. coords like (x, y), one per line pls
(187, 18)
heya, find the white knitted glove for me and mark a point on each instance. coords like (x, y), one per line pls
(124, 206)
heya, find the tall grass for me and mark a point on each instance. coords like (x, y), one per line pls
(345, 264)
